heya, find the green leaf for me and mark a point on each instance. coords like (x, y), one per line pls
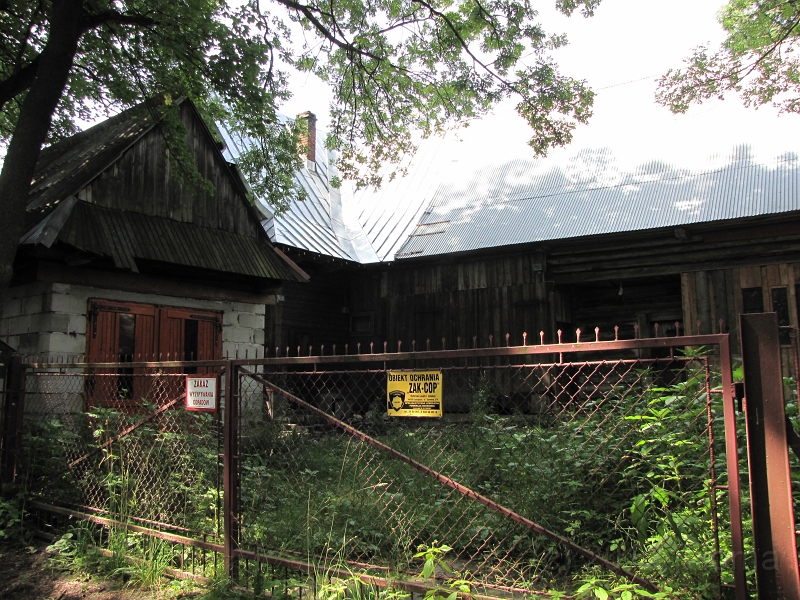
(428, 568)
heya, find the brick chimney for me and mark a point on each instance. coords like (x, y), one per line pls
(310, 140)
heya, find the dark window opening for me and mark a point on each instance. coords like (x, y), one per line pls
(190, 343)
(752, 300)
(127, 341)
(361, 324)
(780, 305)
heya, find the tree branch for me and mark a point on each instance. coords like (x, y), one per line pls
(20, 81)
(464, 45)
(326, 33)
(111, 16)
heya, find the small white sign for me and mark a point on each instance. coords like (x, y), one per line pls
(201, 392)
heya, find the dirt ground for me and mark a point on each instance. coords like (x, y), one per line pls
(30, 574)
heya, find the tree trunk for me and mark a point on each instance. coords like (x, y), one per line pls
(35, 118)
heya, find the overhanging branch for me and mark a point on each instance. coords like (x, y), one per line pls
(20, 81)
(325, 32)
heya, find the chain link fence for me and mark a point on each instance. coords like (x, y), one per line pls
(607, 468)
(117, 444)
(537, 477)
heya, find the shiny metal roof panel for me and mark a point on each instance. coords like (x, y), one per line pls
(387, 215)
(523, 201)
(314, 224)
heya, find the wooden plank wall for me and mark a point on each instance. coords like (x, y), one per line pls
(480, 297)
(643, 302)
(709, 296)
(311, 313)
(143, 180)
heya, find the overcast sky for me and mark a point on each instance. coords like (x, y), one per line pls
(620, 52)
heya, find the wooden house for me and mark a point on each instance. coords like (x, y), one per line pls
(535, 247)
(124, 259)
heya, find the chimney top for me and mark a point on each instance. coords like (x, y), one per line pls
(309, 140)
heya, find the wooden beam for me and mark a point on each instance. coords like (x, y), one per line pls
(600, 274)
(127, 282)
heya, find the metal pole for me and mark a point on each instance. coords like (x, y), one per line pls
(230, 521)
(777, 574)
(13, 412)
(732, 460)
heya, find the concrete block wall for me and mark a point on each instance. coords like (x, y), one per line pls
(50, 318)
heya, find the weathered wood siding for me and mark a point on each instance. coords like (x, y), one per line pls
(480, 297)
(143, 180)
(311, 314)
(666, 276)
(711, 296)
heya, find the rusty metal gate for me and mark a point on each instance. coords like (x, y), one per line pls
(553, 465)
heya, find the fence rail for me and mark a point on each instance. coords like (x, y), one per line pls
(551, 461)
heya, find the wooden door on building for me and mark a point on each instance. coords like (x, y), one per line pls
(123, 332)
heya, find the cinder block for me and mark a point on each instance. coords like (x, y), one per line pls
(260, 309)
(258, 337)
(78, 305)
(229, 318)
(28, 344)
(47, 322)
(243, 308)
(63, 343)
(19, 325)
(239, 335)
(58, 303)
(77, 324)
(61, 288)
(12, 307)
(32, 304)
(251, 320)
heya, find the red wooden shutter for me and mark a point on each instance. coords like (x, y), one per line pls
(119, 332)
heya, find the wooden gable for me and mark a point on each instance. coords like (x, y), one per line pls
(143, 180)
(112, 193)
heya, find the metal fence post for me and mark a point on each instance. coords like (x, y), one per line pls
(231, 469)
(732, 462)
(777, 574)
(13, 412)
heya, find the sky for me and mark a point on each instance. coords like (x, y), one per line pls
(620, 51)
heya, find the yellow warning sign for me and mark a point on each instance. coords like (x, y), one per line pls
(414, 393)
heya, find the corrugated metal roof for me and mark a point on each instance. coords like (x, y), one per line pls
(443, 206)
(524, 201)
(315, 224)
(387, 215)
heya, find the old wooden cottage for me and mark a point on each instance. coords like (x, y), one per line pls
(531, 246)
(124, 259)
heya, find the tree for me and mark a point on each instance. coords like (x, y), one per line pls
(395, 66)
(757, 60)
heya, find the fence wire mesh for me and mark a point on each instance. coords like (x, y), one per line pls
(622, 458)
(116, 442)
(538, 476)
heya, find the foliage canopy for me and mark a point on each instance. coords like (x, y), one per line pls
(758, 60)
(394, 66)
